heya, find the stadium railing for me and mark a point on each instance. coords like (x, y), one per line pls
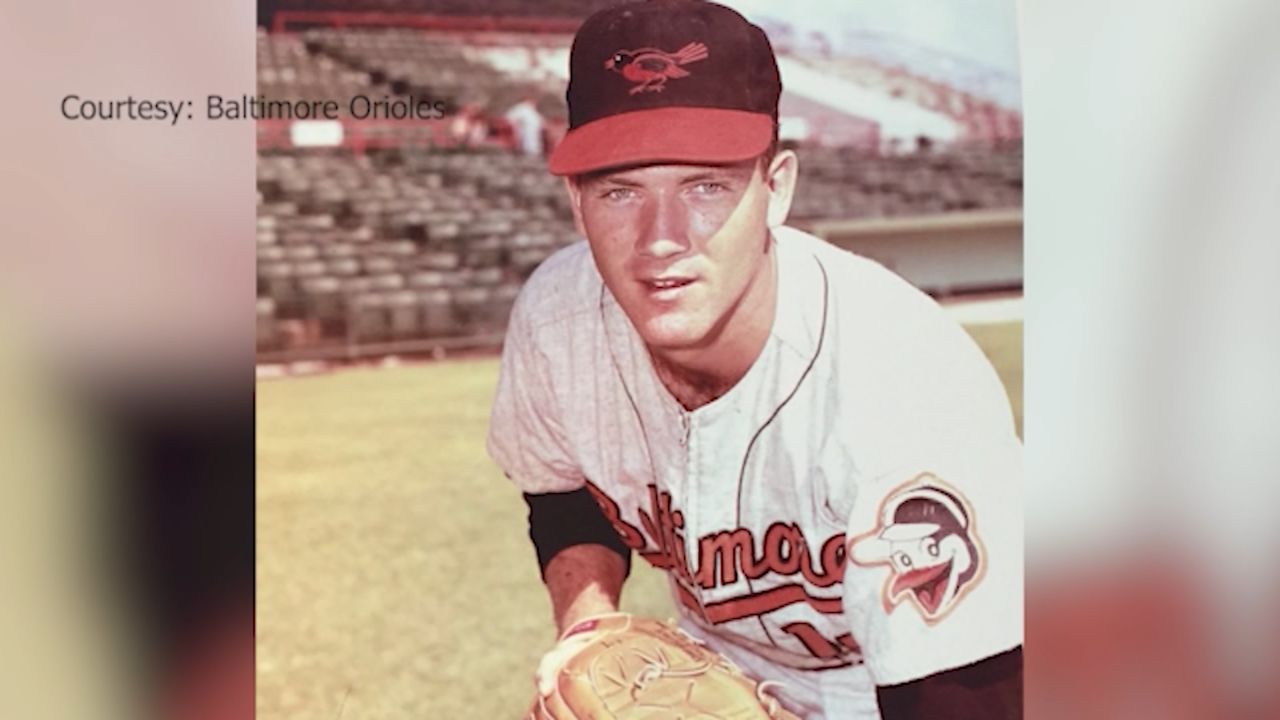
(286, 20)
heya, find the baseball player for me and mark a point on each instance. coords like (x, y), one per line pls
(824, 464)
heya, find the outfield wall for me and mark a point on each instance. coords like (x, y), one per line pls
(943, 254)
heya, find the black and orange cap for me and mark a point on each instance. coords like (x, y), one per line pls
(668, 80)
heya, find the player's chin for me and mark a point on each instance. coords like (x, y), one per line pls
(673, 331)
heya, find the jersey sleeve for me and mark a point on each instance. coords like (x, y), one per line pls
(934, 572)
(525, 437)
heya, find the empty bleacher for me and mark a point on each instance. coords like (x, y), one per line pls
(444, 66)
(288, 70)
(504, 8)
(398, 245)
(417, 238)
(982, 118)
(849, 183)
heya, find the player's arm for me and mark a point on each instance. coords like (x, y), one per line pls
(583, 561)
(934, 588)
(986, 690)
(584, 580)
(934, 580)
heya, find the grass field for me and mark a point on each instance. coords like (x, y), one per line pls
(395, 579)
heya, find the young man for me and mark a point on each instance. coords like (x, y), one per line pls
(823, 463)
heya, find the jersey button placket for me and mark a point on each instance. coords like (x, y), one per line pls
(688, 440)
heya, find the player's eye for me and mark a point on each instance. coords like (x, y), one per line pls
(710, 188)
(931, 547)
(902, 559)
(618, 194)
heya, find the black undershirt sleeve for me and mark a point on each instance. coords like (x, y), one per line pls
(990, 689)
(561, 520)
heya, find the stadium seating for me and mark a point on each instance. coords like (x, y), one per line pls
(421, 243)
(516, 8)
(401, 244)
(983, 118)
(849, 183)
(418, 239)
(287, 70)
(443, 66)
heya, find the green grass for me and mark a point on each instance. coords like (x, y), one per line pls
(1002, 342)
(395, 578)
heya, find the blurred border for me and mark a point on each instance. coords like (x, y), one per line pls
(1152, 339)
(126, 293)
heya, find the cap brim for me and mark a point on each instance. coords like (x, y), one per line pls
(678, 134)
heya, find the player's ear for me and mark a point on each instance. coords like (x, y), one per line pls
(780, 180)
(575, 202)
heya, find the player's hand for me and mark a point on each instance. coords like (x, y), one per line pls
(624, 667)
(581, 631)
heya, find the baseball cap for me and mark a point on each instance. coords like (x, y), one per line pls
(921, 512)
(667, 80)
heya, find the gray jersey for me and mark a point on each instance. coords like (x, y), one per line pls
(854, 502)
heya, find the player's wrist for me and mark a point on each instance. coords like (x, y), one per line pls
(594, 622)
(582, 581)
(583, 610)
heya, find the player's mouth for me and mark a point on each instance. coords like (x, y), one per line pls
(928, 584)
(666, 289)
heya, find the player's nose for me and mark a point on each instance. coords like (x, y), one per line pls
(664, 228)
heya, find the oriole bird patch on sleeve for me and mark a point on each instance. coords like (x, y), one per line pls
(926, 536)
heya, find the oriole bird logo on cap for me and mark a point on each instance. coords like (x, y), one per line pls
(650, 68)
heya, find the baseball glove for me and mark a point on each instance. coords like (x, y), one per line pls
(627, 668)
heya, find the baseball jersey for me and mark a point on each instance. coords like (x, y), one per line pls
(854, 501)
